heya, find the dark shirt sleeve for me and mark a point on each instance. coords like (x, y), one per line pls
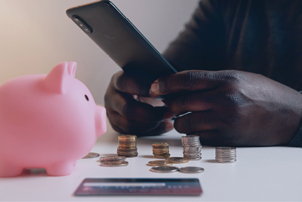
(201, 45)
(263, 37)
(297, 139)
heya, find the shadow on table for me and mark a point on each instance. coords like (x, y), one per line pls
(150, 140)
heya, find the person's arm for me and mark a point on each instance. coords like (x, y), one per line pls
(232, 108)
(227, 107)
(202, 44)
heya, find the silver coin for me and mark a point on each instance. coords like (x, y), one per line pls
(192, 154)
(191, 169)
(194, 159)
(225, 154)
(226, 161)
(91, 155)
(164, 169)
(225, 148)
(196, 148)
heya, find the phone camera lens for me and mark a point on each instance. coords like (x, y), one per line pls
(82, 24)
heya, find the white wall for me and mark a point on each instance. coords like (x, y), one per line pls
(35, 35)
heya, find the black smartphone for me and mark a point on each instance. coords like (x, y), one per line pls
(106, 25)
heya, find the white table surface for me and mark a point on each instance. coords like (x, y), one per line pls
(260, 174)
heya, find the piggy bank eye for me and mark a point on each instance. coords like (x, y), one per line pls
(87, 98)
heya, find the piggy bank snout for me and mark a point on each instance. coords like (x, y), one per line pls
(100, 121)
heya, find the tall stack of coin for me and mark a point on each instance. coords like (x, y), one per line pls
(161, 150)
(127, 146)
(191, 147)
(225, 154)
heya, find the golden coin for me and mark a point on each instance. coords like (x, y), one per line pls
(160, 144)
(91, 155)
(161, 156)
(177, 160)
(114, 163)
(126, 137)
(127, 154)
(159, 163)
(112, 158)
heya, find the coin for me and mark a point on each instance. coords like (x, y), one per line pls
(177, 160)
(164, 169)
(112, 158)
(126, 138)
(91, 155)
(160, 144)
(127, 154)
(158, 156)
(114, 163)
(191, 147)
(225, 154)
(127, 146)
(191, 169)
(160, 150)
(159, 163)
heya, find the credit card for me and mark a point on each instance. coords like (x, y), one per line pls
(139, 186)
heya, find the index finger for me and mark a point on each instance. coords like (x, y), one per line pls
(127, 83)
(191, 80)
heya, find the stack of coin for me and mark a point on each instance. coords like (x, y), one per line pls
(127, 146)
(225, 154)
(161, 150)
(191, 147)
(113, 161)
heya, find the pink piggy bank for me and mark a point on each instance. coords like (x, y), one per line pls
(47, 121)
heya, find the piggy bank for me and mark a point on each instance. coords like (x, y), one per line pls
(47, 121)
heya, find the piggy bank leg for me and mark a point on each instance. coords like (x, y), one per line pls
(61, 168)
(9, 170)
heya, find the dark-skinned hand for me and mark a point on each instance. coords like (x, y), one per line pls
(231, 108)
(127, 114)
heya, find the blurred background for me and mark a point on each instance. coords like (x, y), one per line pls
(37, 34)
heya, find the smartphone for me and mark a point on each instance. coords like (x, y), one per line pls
(139, 186)
(106, 25)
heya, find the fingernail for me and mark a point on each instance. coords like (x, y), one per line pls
(154, 88)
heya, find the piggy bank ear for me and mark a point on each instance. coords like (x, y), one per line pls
(54, 81)
(72, 67)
